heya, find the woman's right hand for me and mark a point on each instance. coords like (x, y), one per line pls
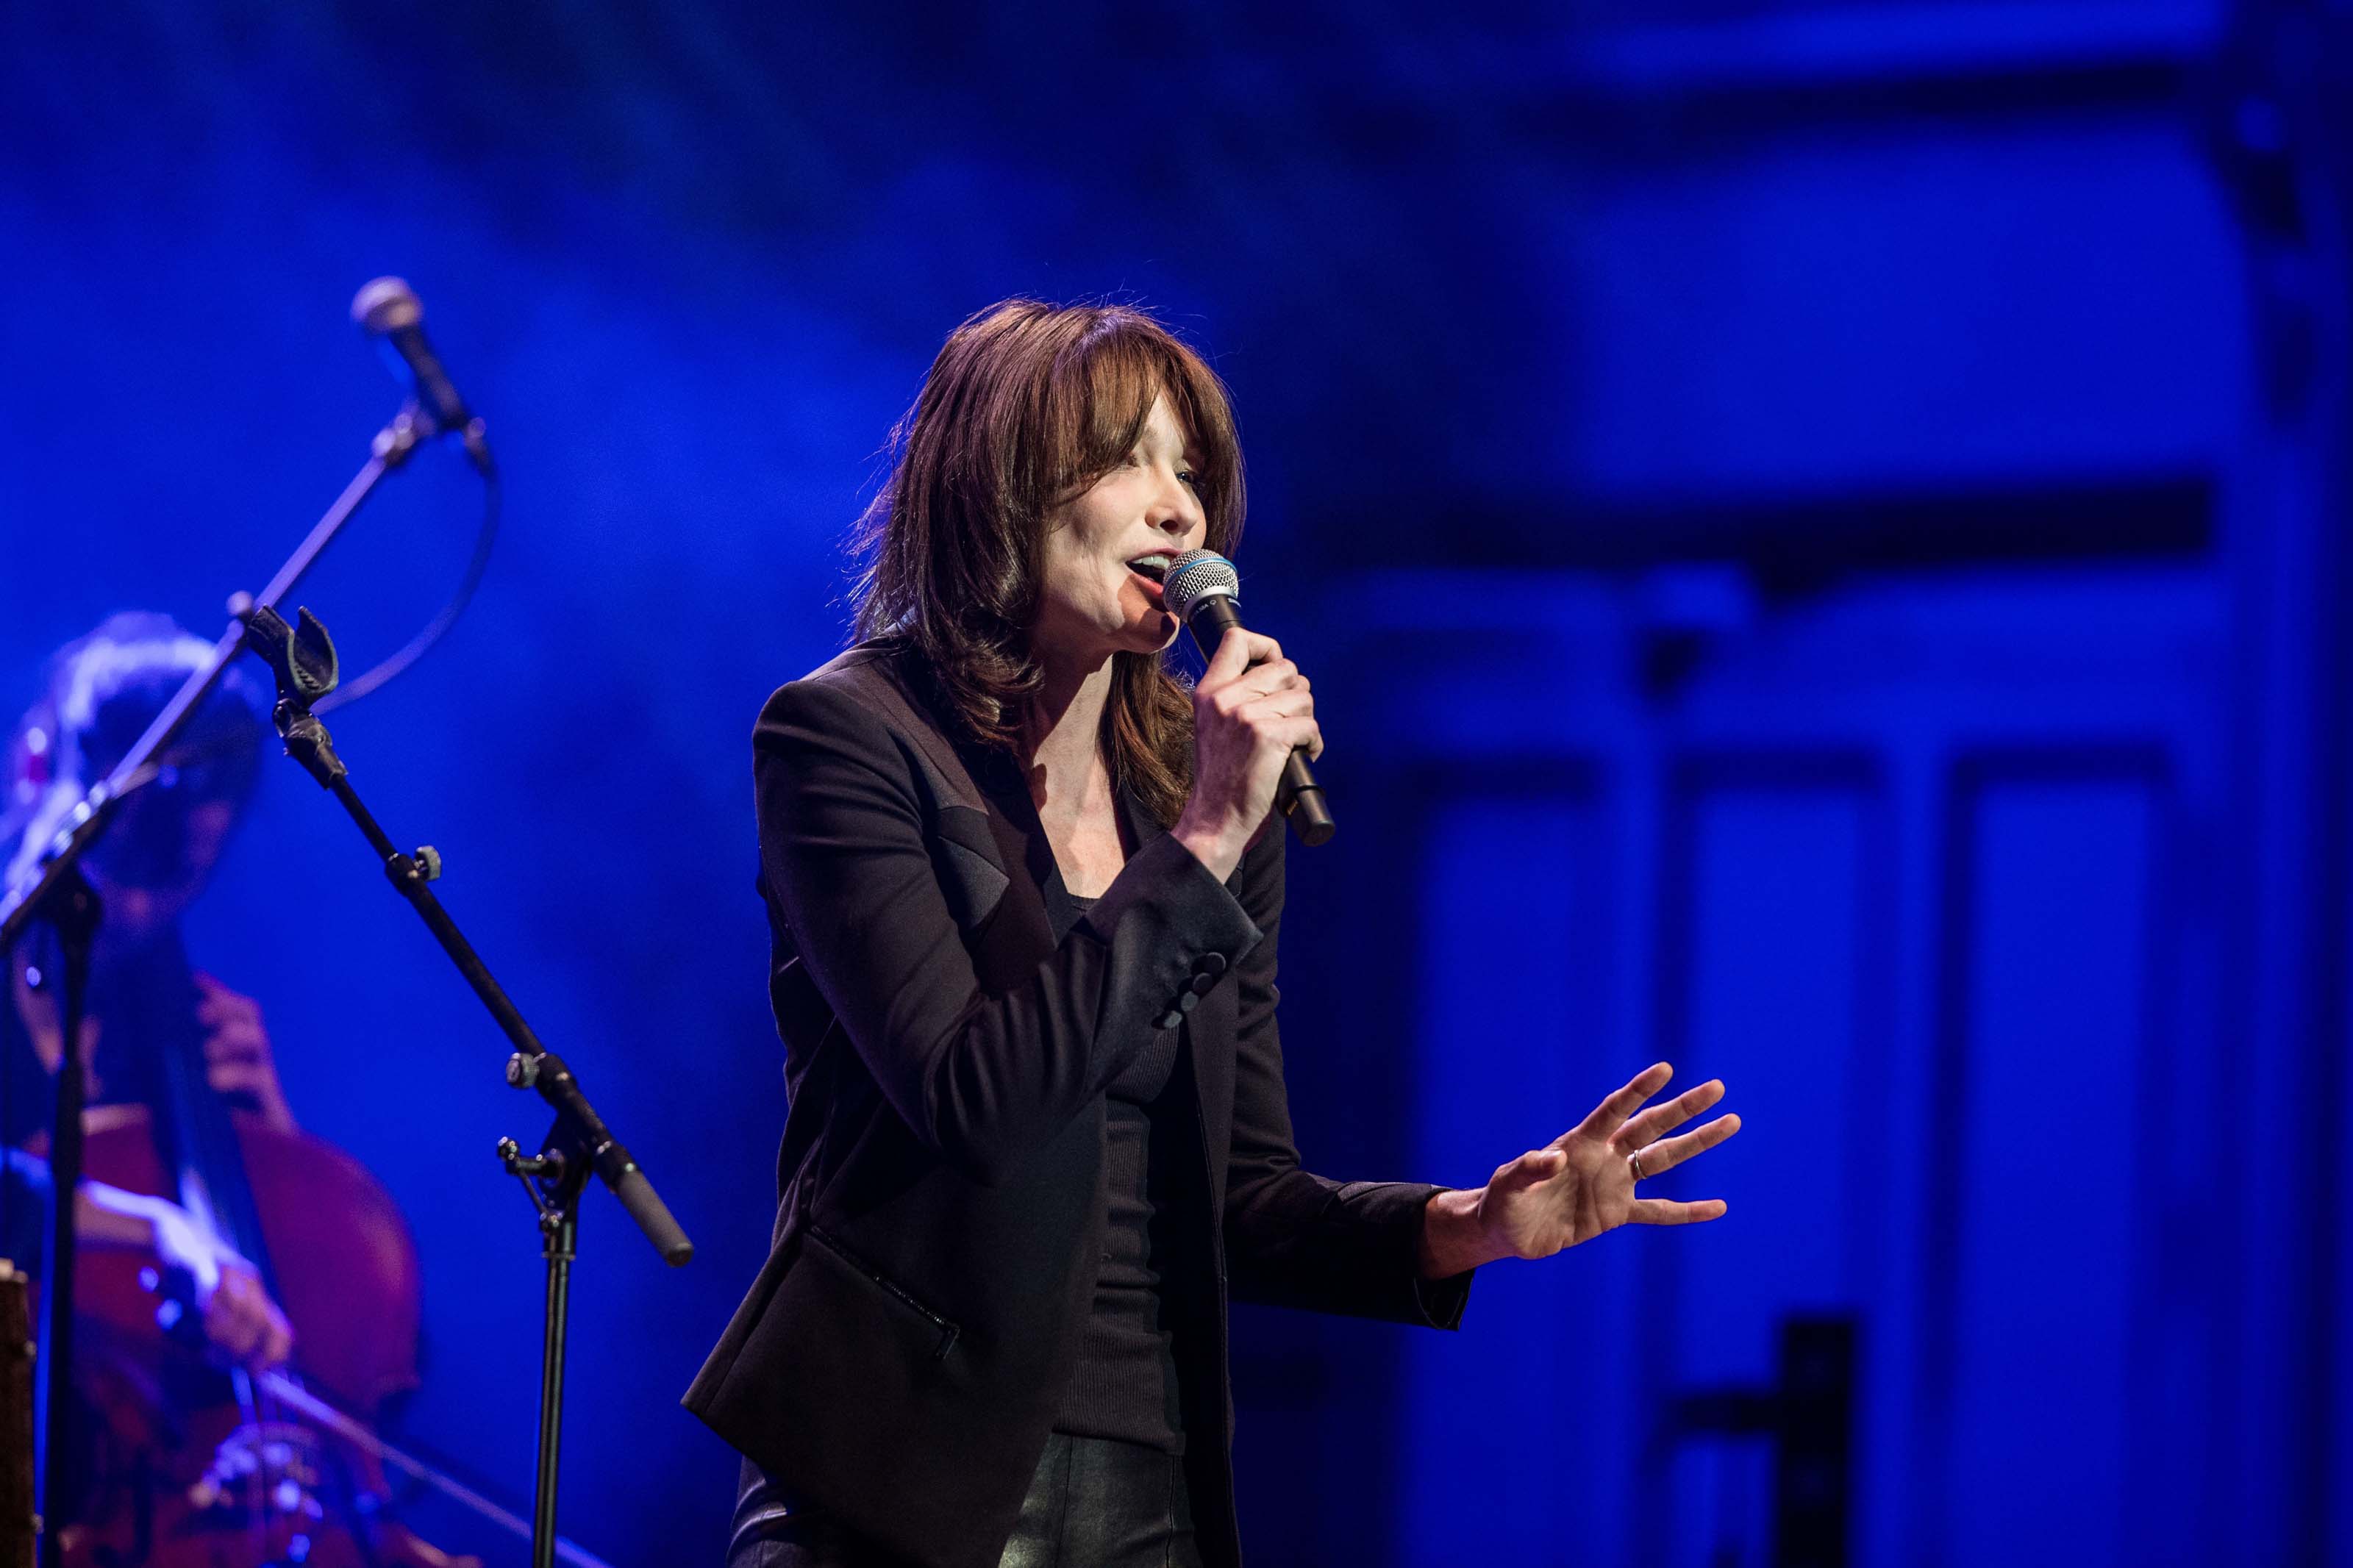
(1251, 710)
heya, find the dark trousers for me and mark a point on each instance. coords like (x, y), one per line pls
(1092, 1503)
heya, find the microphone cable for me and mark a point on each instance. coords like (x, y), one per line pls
(390, 668)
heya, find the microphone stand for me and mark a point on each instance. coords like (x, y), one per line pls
(73, 909)
(57, 891)
(579, 1145)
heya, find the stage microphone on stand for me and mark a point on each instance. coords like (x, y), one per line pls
(1201, 590)
(389, 311)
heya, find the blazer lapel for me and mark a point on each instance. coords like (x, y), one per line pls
(1020, 932)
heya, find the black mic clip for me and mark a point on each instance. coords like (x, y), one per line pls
(303, 659)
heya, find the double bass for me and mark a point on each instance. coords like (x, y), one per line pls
(185, 1464)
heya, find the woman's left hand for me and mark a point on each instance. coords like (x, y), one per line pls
(1582, 1184)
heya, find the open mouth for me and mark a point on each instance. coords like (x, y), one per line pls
(1153, 569)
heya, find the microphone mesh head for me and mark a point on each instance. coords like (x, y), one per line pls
(386, 305)
(1195, 576)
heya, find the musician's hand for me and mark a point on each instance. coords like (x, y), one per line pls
(1248, 718)
(243, 1322)
(1581, 1183)
(237, 1058)
(238, 1316)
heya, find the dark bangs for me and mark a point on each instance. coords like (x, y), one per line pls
(1101, 392)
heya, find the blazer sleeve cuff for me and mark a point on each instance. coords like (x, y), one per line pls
(1387, 1265)
(1442, 1300)
(1439, 1301)
(1175, 930)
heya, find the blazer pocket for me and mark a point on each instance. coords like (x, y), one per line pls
(943, 1331)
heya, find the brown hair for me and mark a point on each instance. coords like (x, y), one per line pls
(1025, 406)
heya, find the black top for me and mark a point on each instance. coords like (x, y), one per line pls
(1125, 1385)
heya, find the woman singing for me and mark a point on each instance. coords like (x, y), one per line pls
(1024, 900)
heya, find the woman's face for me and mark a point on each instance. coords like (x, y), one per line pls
(1107, 549)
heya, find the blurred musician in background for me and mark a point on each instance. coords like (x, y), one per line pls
(101, 693)
(191, 1444)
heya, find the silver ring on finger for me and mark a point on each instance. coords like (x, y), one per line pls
(1634, 1164)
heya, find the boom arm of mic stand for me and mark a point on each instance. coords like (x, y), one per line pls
(412, 874)
(303, 657)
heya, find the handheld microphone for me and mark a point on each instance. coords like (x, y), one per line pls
(1200, 589)
(388, 310)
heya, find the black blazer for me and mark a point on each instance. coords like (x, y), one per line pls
(901, 1356)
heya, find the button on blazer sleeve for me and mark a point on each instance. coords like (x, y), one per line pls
(1294, 1238)
(983, 1079)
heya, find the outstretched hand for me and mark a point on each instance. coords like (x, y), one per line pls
(1581, 1183)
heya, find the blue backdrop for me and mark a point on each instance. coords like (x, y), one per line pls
(1816, 522)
